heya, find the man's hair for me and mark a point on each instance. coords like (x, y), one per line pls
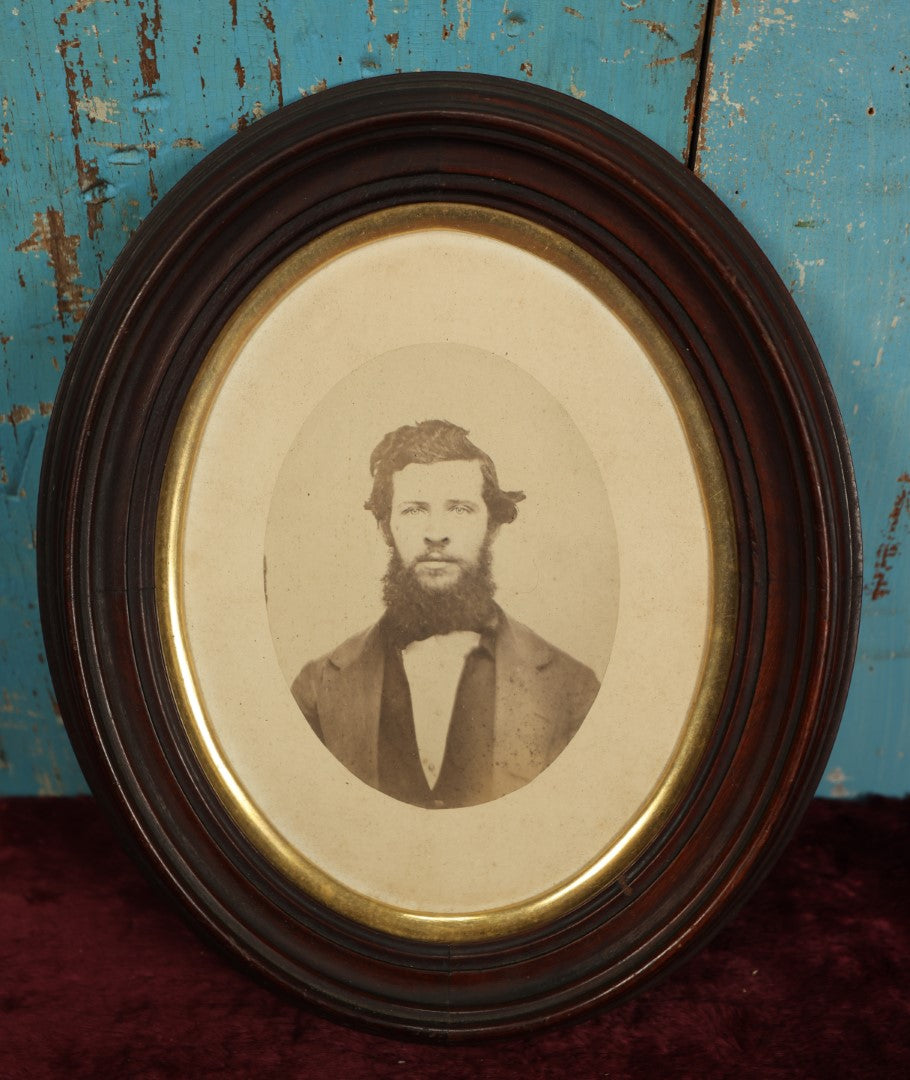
(424, 444)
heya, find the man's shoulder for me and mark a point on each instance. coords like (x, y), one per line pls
(342, 656)
(545, 656)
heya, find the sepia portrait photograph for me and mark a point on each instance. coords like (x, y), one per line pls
(449, 692)
(447, 579)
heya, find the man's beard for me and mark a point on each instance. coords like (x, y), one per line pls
(414, 612)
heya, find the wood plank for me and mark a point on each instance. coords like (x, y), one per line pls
(104, 104)
(805, 136)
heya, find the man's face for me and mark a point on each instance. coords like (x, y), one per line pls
(439, 520)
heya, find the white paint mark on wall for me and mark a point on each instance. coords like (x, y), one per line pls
(837, 778)
(722, 95)
(803, 266)
(464, 18)
(96, 108)
(82, 5)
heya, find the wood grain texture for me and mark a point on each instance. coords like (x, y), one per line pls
(541, 156)
(805, 136)
(105, 104)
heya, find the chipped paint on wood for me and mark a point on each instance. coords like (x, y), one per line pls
(464, 17)
(49, 235)
(805, 136)
(794, 112)
(658, 28)
(890, 546)
(122, 96)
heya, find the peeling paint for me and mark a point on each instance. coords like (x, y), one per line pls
(50, 236)
(837, 779)
(573, 12)
(371, 11)
(273, 63)
(737, 108)
(95, 191)
(658, 28)
(801, 271)
(267, 17)
(528, 68)
(511, 22)
(464, 18)
(275, 77)
(147, 36)
(187, 144)
(150, 103)
(17, 415)
(98, 110)
(69, 74)
(81, 6)
(49, 785)
(574, 90)
(127, 155)
(889, 548)
(316, 88)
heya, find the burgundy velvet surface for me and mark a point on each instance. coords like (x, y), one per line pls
(100, 978)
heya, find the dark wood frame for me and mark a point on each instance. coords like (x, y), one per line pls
(248, 206)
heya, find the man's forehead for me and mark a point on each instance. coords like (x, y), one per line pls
(439, 480)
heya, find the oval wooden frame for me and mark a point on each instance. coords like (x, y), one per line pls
(610, 853)
(283, 183)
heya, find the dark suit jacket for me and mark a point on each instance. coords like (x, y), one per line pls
(542, 696)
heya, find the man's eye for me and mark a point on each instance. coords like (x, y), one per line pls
(410, 510)
(462, 509)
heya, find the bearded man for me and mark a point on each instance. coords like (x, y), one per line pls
(446, 701)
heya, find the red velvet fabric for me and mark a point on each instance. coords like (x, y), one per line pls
(100, 978)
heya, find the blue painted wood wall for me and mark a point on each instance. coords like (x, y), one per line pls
(797, 118)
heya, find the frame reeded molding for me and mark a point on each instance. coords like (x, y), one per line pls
(558, 164)
(620, 851)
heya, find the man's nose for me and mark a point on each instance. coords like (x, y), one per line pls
(436, 529)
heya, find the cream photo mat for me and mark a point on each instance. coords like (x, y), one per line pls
(470, 294)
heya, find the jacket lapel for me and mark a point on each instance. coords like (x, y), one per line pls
(525, 711)
(528, 713)
(350, 703)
